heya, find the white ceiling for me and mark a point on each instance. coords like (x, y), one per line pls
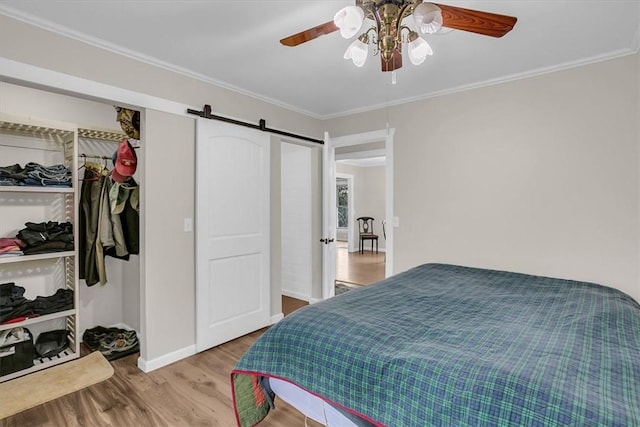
(236, 44)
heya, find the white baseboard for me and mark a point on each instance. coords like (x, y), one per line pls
(167, 359)
(276, 318)
(314, 300)
(296, 295)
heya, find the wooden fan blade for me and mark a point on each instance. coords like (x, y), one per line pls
(475, 21)
(310, 34)
(394, 63)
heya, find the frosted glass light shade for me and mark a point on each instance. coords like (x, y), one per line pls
(428, 18)
(357, 52)
(419, 49)
(349, 20)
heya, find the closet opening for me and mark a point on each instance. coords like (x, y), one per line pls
(108, 302)
(109, 245)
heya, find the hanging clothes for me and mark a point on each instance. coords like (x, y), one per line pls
(109, 221)
(124, 202)
(111, 232)
(90, 197)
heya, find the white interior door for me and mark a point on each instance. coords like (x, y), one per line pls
(295, 225)
(328, 218)
(232, 232)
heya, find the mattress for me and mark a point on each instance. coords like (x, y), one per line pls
(311, 406)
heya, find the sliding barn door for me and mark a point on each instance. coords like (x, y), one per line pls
(232, 232)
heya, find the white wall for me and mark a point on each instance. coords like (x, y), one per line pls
(296, 221)
(168, 261)
(537, 175)
(369, 197)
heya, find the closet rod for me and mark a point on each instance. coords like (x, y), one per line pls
(93, 156)
(206, 113)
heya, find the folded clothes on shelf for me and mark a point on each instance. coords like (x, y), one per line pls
(11, 296)
(12, 175)
(10, 246)
(45, 237)
(13, 304)
(35, 174)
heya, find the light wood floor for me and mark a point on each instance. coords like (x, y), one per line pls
(361, 269)
(195, 391)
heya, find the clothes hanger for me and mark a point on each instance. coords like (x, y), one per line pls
(91, 168)
(84, 164)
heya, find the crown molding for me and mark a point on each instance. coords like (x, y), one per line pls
(140, 57)
(518, 76)
(635, 43)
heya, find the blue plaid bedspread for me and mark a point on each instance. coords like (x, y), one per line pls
(444, 345)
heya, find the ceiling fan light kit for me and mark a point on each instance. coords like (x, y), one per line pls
(358, 50)
(428, 17)
(389, 33)
(349, 20)
(418, 48)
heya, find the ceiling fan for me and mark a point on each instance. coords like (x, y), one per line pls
(388, 32)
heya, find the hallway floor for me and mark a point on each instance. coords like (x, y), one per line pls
(357, 268)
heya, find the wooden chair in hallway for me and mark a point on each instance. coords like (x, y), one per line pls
(365, 224)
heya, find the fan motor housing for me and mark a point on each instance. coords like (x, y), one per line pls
(377, 3)
(371, 6)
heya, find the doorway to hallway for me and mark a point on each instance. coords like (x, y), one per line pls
(364, 145)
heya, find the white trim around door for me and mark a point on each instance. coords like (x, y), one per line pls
(328, 169)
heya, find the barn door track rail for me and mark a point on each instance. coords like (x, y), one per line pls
(206, 113)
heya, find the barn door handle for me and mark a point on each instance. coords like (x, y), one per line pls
(326, 241)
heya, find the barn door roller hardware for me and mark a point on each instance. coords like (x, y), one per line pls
(206, 113)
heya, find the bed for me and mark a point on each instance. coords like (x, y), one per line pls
(446, 345)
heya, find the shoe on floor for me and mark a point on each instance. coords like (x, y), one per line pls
(109, 340)
(118, 342)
